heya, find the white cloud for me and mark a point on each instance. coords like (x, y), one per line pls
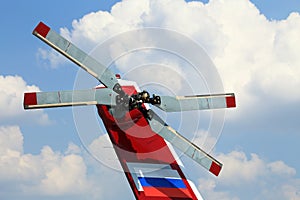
(208, 187)
(101, 25)
(292, 191)
(55, 174)
(50, 58)
(204, 140)
(241, 169)
(258, 61)
(280, 168)
(252, 176)
(11, 139)
(64, 174)
(12, 90)
(48, 173)
(60, 174)
(102, 150)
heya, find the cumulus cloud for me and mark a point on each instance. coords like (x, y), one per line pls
(48, 173)
(291, 191)
(258, 60)
(50, 58)
(240, 169)
(102, 150)
(205, 140)
(12, 90)
(208, 189)
(56, 174)
(280, 168)
(64, 174)
(11, 139)
(255, 176)
(61, 174)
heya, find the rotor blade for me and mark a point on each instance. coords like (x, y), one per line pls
(63, 46)
(184, 145)
(197, 102)
(34, 100)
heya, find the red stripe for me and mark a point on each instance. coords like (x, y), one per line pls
(41, 29)
(215, 168)
(167, 192)
(30, 99)
(230, 101)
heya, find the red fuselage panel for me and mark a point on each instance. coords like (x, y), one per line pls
(135, 142)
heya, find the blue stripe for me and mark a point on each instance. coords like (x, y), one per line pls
(161, 182)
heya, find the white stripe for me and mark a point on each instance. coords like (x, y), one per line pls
(151, 170)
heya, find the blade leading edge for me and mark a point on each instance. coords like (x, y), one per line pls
(184, 145)
(79, 57)
(35, 100)
(196, 102)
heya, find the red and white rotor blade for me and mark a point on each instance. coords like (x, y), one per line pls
(196, 102)
(35, 100)
(184, 145)
(79, 57)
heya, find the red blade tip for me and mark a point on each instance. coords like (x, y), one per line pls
(215, 168)
(30, 99)
(230, 102)
(41, 29)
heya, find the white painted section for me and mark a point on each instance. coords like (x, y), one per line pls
(150, 170)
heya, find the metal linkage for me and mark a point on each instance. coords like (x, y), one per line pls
(136, 100)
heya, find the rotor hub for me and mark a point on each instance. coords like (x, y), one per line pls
(136, 100)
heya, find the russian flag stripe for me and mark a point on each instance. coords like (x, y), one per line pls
(167, 192)
(161, 182)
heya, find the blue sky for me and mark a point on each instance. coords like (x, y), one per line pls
(264, 136)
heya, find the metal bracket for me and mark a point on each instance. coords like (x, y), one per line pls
(136, 100)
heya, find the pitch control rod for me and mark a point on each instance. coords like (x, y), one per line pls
(136, 100)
